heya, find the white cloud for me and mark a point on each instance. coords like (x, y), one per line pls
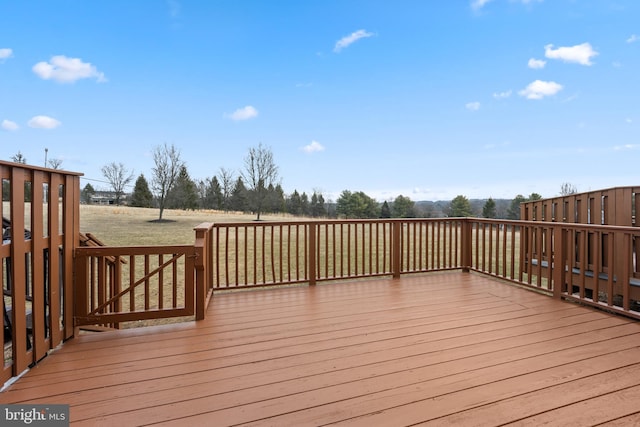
(627, 147)
(536, 63)
(472, 106)
(628, 120)
(43, 122)
(314, 147)
(479, 4)
(9, 125)
(67, 70)
(572, 97)
(539, 89)
(502, 95)
(634, 38)
(244, 113)
(5, 53)
(580, 54)
(350, 39)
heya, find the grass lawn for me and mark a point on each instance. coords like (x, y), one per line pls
(127, 226)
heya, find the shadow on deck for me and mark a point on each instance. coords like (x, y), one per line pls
(444, 348)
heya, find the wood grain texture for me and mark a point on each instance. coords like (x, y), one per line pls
(439, 349)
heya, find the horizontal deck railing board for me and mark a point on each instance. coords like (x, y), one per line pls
(530, 335)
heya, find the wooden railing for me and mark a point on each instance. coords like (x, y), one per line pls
(117, 284)
(284, 253)
(612, 206)
(40, 211)
(600, 251)
(120, 285)
(554, 258)
(127, 284)
(46, 293)
(596, 265)
(563, 260)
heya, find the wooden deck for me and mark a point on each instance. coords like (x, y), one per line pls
(450, 348)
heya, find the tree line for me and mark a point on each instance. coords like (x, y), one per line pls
(256, 189)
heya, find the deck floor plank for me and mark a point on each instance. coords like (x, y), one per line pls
(450, 349)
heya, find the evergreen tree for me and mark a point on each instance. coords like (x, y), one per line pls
(385, 210)
(201, 191)
(356, 205)
(213, 194)
(209, 194)
(460, 207)
(183, 195)
(238, 197)
(141, 196)
(403, 207)
(317, 206)
(489, 209)
(294, 204)
(276, 199)
(87, 193)
(514, 209)
(306, 207)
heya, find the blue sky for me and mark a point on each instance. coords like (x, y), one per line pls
(428, 99)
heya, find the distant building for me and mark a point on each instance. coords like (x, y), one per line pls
(108, 198)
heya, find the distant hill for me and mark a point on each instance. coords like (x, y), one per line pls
(439, 208)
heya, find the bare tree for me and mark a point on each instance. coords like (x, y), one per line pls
(167, 168)
(55, 163)
(19, 158)
(260, 172)
(118, 177)
(227, 183)
(567, 188)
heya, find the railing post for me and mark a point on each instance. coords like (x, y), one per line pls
(18, 271)
(311, 260)
(467, 244)
(396, 239)
(202, 267)
(624, 275)
(558, 261)
(81, 285)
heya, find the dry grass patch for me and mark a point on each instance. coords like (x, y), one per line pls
(127, 226)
